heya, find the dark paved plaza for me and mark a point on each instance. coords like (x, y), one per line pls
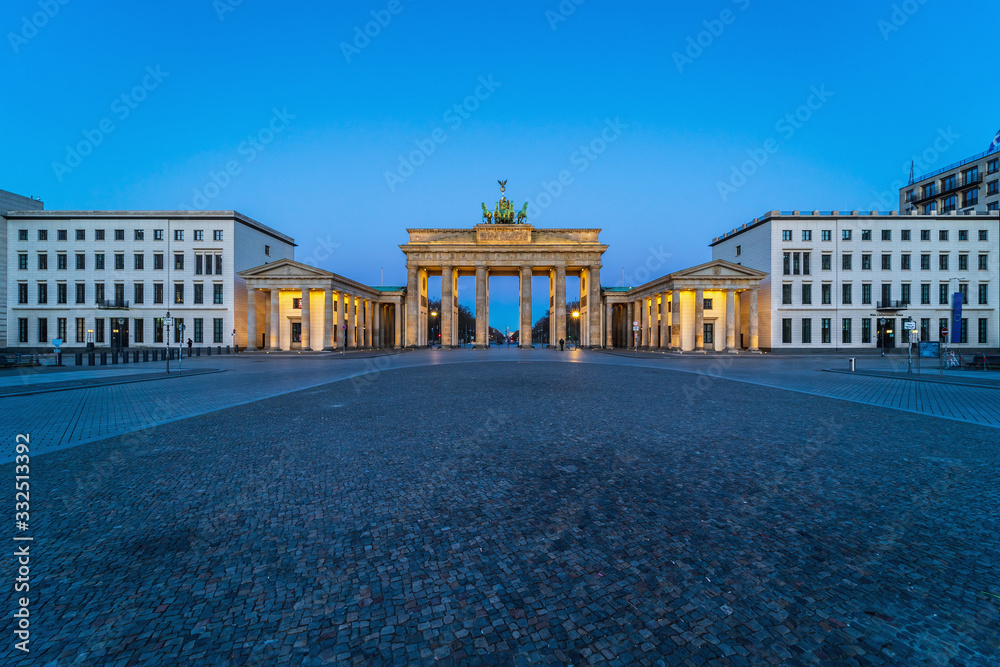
(522, 513)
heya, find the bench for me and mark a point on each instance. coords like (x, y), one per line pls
(16, 361)
(981, 361)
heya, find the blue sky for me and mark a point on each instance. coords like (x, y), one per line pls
(344, 141)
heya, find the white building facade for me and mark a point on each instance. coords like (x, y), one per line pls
(848, 281)
(110, 277)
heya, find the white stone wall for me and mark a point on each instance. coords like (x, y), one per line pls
(772, 313)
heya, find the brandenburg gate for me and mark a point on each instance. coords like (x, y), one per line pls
(504, 245)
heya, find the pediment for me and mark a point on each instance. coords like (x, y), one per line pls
(285, 268)
(718, 268)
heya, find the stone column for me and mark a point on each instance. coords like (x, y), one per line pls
(594, 306)
(609, 321)
(447, 306)
(699, 320)
(412, 306)
(654, 324)
(731, 321)
(341, 321)
(369, 324)
(524, 336)
(352, 332)
(377, 326)
(397, 321)
(754, 330)
(306, 340)
(630, 317)
(251, 319)
(482, 317)
(329, 335)
(560, 304)
(275, 342)
(643, 323)
(664, 323)
(675, 320)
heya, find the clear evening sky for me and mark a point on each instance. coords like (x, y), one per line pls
(291, 114)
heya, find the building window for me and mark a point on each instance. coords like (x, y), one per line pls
(157, 292)
(81, 330)
(61, 261)
(963, 235)
(886, 262)
(178, 323)
(866, 294)
(267, 250)
(199, 293)
(61, 293)
(43, 329)
(739, 250)
(825, 329)
(158, 260)
(218, 265)
(99, 330)
(993, 206)
(866, 262)
(925, 235)
(807, 235)
(119, 261)
(904, 262)
(993, 166)
(119, 235)
(904, 293)
(943, 262)
(786, 295)
(825, 294)
(909, 195)
(826, 235)
(43, 292)
(984, 293)
(963, 289)
(99, 261)
(971, 198)
(217, 294)
(807, 331)
(963, 331)
(786, 235)
(984, 331)
(887, 293)
(199, 330)
(925, 294)
(22, 235)
(198, 263)
(22, 261)
(81, 261)
(199, 235)
(217, 330)
(178, 292)
(925, 262)
(709, 333)
(805, 263)
(217, 235)
(866, 235)
(706, 304)
(22, 329)
(296, 304)
(845, 235)
(904, 235)
(99, 292)
(948, 183)
(825, 262)
(886, 234)
(139, 234)
(992, 188)
(845, 328)
(178, 234)
(807, 293)
(178, 261)
(786, 330)
(137, 330)
(796, 264)
(140, 293)
(846, 261)
(43, 235)
(866, 330)
(43, 261)
(22, 293)
(157, 329)
(963, 262)
(950, 204)
(943, 294)
(925, 328)
(81, 235)
(158, 236)
(846, 294)
(984, 262)
(81, 292)
(139, 261)
(98, 234)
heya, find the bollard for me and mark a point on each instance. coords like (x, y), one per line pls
(91, 358)
(79, 358)
(198, 353)
(209, 351)
(145, 355)
(852, 364)
(104, 358)
(220, 350)
(227, 349)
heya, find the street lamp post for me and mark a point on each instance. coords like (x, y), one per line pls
(434, 328)
(576, 320)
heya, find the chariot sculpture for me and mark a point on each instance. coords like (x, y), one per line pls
(504, 212)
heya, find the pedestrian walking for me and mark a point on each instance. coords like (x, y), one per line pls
(562, 344)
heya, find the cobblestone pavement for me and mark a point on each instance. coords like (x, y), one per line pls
(521, 513)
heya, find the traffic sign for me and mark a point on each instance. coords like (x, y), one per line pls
(168, 321)
(909, 325)
(635, 328)
(635, 324)
(944, 332)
